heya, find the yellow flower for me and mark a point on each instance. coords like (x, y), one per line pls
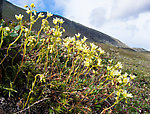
(28, 11)
(129, 95)
(99, 62)
(77, 35)
(125, 94)
(125, 80)
(45, 22)
(84, 39)
(40, 15)
(66, 44)
(32, 5)
(26, 30)
(19, 17)
(42, 40)
(7, 29)
(55, 21)
(125, 75)
(110, 61)
(85, 49)
(115, 72)
(129, 84)
(101, 51)
(112, 73)
(61, 21)
(57, 33)
(35, 12)
(63, 30)
(25, 6)
(32, 19)
(58, 39)
(118, 93)
(132, 76)
(109, 68)
(93, 46)
(93, 71)
(78, 43)
(42, 78)
(49, 14)
(118, 65)
(58, 20)
(119, 80)
(87, 62)
(50, 47)
(79, 47)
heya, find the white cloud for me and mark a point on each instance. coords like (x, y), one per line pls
(126, 20)
(134, 31)
(126, 8)
(80, 10)
(97, 17)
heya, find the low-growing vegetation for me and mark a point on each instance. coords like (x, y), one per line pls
(139, 64)
(43, 72)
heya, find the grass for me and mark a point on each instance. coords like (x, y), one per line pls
(139, 64)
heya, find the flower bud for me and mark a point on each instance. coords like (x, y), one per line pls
(25, 6)
(7, 29)
(32, 5)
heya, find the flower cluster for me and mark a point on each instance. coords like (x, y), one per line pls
(89, 53)
(91, 56)
(121, 79)
(72, 73)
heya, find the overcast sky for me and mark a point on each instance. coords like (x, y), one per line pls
(126, 20)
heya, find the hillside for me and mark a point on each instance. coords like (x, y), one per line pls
(91, 34)
(9, 10)
(139, 64)
(52, 76)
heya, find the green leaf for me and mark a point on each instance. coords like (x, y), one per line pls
(51, 111)
(58, 109)
(13, 34)
(98, 106)
(17, 27)
(10, 89)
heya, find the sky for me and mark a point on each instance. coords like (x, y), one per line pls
(126, 20)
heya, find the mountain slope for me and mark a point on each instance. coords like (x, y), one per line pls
(9, 10)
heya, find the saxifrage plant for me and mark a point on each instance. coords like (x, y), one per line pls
(69, 75)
